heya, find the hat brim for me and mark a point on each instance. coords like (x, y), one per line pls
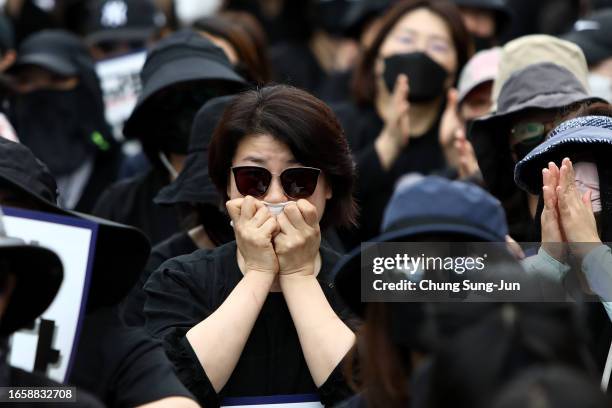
(51, 62)
(193, 185)
(465, 92)
(528, 172)
(39, 274)
(173, 73)
(121, 252)
(347, 272)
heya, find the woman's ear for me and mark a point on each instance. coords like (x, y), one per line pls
(379, 66)
(328, 190)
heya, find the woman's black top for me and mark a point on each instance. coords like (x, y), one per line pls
(186, 290)
(375, 184)
(131, 202)
(122, 366)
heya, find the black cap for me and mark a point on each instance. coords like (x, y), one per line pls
(55, 50)
(193, 185)
(121, 251)
(594, 36)
(123, 20)
(184, 56)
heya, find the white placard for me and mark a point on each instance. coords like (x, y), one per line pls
(120, 82)
(73, 240)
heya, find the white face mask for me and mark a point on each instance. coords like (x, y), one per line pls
(188, 11)
(601, 86)
(587, 178)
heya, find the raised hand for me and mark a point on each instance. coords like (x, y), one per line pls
(468, 164)
(297, 243)
(254, 228)
(450, 125)
(396, 132)
(575, 212)
(552, 230)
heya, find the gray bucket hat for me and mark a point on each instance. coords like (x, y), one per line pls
(573, 137)
(540, 86)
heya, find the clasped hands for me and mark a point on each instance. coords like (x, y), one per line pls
(285, 245)
(567, 215)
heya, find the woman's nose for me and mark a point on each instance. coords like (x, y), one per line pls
(275, 193)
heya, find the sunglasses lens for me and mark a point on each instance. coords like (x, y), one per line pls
(300, 182)
(253, 181)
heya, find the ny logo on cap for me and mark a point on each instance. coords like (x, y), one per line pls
(114, 14)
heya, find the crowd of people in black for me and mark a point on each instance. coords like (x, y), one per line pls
(238, 170)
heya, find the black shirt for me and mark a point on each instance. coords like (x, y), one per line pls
(105, 172)
(186, 290)
(133, 305)
(375, 185)
(131, 202)
(123, 366)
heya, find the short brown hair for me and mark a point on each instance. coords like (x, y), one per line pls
(306, 125)
(363, 85)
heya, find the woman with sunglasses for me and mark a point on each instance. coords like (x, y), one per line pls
(259, 317)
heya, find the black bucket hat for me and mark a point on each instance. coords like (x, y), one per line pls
(585, 134)
(184, 56)
(123, 20)
(121, 251)
(538, 86)
(39, 274)
(193, 185)
(594, 36)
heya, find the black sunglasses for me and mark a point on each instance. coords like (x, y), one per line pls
(297, 182)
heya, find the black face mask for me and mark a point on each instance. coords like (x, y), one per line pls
(178, 110)
(177, 132)
(426, 77)
(54, 125)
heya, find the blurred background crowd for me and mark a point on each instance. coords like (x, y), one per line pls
(124, 113)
